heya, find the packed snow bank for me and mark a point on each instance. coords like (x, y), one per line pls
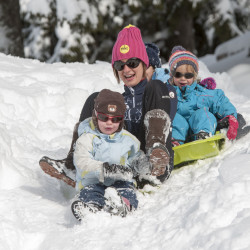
(229, 54)
(202, 206)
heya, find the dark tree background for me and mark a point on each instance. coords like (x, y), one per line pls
(88, 32)
(11, 41)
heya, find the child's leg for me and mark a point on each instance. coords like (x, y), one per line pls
(93, 194)
(127, 191)
(180, 128)
(91, 198)
(203, 120)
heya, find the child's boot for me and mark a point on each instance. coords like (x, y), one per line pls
(115, 204)
(80, 209)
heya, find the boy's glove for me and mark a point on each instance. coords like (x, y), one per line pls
(141, 164)
(116, 171)
(232, 126)
(208, 83)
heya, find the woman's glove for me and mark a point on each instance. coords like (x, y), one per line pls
(232, 126)
(115, 171)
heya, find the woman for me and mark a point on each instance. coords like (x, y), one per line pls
(148, 107)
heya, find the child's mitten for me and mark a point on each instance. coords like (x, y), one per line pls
(208, 83)
(232, 127)
(116, 171)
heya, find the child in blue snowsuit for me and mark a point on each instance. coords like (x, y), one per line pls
(198, 108)
(103, 156)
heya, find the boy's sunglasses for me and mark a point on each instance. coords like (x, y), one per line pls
(104, 118)
(186, 75)
(131, 63)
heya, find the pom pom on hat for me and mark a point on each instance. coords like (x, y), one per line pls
(177, 48)
(110, 102)
(129, 44)
(180, 56)
(153, 55)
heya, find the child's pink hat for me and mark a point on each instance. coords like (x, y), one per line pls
(129, 44)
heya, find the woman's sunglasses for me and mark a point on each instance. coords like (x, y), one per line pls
(104, 118)
(186, 75)
(131, 63)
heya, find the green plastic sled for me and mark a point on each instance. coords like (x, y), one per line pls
(197, 150)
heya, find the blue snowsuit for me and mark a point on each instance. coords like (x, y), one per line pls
(198, 110)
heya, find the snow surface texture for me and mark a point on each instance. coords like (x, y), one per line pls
(202, 206)
(229, 54)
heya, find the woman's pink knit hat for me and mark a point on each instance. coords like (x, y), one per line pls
(129, 44)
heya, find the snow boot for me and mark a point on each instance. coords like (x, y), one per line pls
(202, 135)
(115, 204)
(157, 125)
(175, 142)
(243, 128)
(57, 169)
(159, 158)
(80, 209)
(62, 169)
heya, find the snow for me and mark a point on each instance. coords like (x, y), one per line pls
(70, 10)
(4, 42)
(229, 54)
(35, 6)
(107, 7)
(202, 206)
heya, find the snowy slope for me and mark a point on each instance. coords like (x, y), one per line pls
(229, 54)
(202, 206)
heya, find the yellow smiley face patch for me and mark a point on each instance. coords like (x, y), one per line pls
(124, 49)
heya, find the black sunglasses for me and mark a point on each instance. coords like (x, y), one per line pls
(104, 118)
(131, 63)
(186, 75)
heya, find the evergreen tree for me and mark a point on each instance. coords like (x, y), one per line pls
(11, 41)
(85, 30)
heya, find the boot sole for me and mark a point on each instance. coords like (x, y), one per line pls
(159, 158)
(75, 208)
(48, 169)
